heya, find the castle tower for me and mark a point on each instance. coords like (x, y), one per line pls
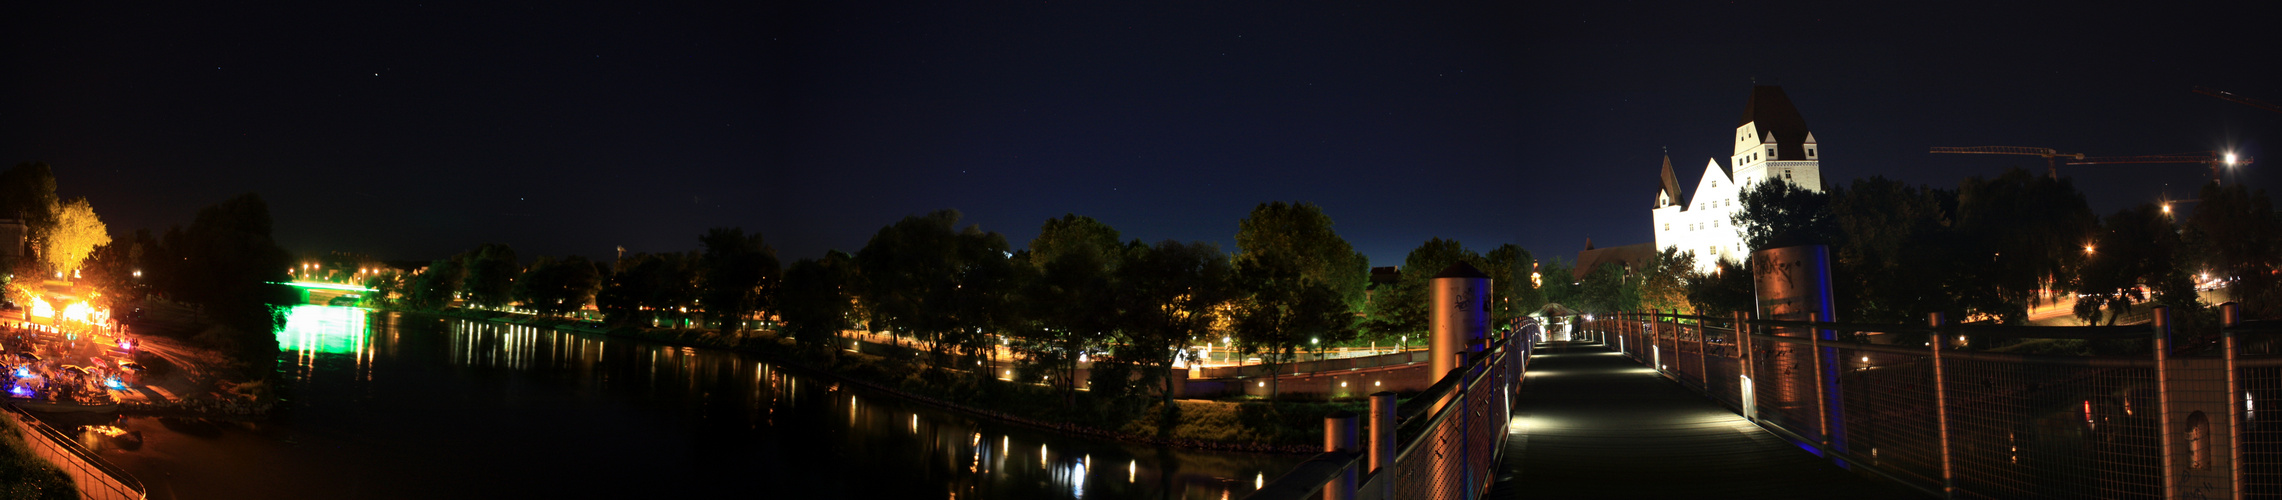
(1771, 142)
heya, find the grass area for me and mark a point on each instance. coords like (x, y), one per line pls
(26, 476)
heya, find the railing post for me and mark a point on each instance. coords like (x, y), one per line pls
(1937, 342)
(2162, 323)
(1822, 394)
(1655, 338)
(1703, 371)
(1339, 437)
(1746, 362)
(2230, 316)
(1383, 441)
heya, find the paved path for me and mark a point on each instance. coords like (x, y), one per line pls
(1595, 424)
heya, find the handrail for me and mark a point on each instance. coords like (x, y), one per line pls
(70, 445)
(2016, 331)
(1309, 479)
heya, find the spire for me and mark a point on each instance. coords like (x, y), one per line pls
(1669, 182)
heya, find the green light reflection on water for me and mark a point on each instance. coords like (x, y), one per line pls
(324, 329)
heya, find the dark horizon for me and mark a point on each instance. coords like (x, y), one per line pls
(413, 132)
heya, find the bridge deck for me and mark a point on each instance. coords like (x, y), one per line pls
(1594, 424)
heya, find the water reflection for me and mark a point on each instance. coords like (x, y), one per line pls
(368, 392)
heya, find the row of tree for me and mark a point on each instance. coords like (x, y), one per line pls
(1988, 250)
(1077, 290)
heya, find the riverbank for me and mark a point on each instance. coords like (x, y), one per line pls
(25, 476)
(1286, 427)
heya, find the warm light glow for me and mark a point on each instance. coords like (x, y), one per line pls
(2087, 249)
(41, 308)
(78, 311)
(2230, 159)
(2166, 208)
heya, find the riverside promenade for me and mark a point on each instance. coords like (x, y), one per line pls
(1591, 423)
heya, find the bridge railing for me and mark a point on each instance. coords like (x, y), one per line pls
(1907, 402)
(96, 478)
(1442, 444)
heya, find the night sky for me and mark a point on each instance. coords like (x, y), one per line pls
(413, 131)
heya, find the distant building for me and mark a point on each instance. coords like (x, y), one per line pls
(1632, 257)
(1771, 142)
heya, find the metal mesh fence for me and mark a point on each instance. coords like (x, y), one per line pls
(1891, 411)
(2042, 427)
(1785, 387)
(2261, 453)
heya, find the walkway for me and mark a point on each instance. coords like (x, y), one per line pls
(1594, 424)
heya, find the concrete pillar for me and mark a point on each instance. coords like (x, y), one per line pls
(1339, 437)
(1457, 317)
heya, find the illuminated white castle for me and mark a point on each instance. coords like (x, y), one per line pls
(1771, 142)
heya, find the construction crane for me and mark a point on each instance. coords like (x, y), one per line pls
(2212, 158)
(2239, 99)
(2047, 153)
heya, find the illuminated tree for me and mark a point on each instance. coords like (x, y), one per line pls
(1168, 294)
(1664, 281)
(1070, 294)
(1284, 312)
(77, 232)
(1303, 234)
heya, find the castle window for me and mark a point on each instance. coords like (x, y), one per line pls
(1715, 223)
(1715, 183)
(1810, 152)
(1786, 175)
(1770, 151)
(1667, 226)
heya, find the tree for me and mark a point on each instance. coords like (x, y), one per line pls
(814, 300)
(1561, 284)
(27, 192)
(229, 266)
(1777, 213)
(1608, 289)
(491, 272)
(1170, 292)
(2137, 246)
(739, 269)
(1303, 233)
(1284, 311)
(432, 287)
(1897, 256)
(1072, 295)
(2034, 229)
(1517, 292)
(1663, 283)
(925, 279)
(558, 287)
(1727, 290)
(77, 232)
(1401, 309)
(2237, 235)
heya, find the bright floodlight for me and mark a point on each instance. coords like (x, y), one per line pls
(2230, 158)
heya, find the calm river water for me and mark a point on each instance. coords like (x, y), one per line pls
(386, 406)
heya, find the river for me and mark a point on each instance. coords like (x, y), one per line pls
(387, 406)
